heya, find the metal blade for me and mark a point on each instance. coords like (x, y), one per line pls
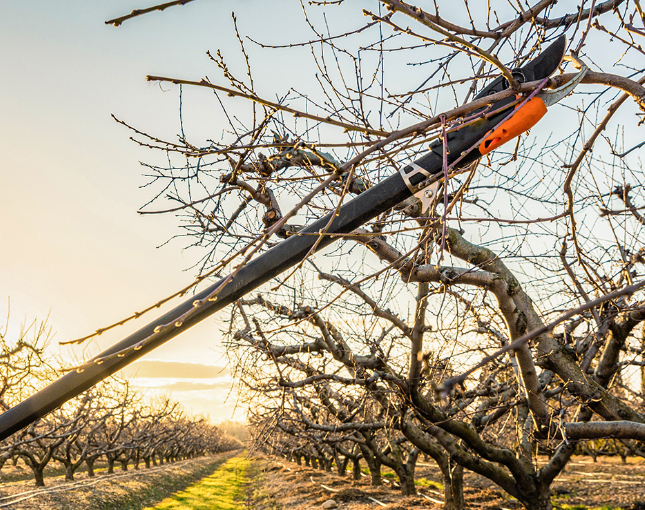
(550, 97)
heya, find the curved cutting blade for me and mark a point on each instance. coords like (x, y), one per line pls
(542, 66)
(550, 97)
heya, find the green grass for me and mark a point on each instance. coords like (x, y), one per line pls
(165, 484)
(424, 482)
(222, 490)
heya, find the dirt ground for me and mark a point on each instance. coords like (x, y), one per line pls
(605, 484)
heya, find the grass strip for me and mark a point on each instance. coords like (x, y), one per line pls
(155, 489)
(224, 489)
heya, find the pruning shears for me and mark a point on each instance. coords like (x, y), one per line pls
(476, 139)
(484, 132)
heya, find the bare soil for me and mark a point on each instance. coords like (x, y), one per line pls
(606, 484)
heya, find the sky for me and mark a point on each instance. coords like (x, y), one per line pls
(73, 249)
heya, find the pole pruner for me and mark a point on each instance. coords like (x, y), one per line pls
(483, 131)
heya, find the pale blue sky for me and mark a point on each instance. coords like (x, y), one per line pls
(72, 239)
(74, 248)
(73, 245)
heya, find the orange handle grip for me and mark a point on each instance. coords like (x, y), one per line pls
(524, 119)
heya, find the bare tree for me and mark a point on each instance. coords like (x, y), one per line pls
(19, 361)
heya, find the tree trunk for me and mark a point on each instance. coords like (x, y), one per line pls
(146, 460)
(69, 472)
(124, 465)
(38, 476)
(90, 467)
(314, 462)
(590, 448)
(327, 463)
(341, 465)
(537, 497)
(375, 473)
(409, 488)
(541, 502)
(407, 483)
(453, 487)
(299, 460)
(405, 472)
(374, 466)
(621, 451)
(110, 462)
(356, 467)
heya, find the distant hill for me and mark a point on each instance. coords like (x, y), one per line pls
(173, 369)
